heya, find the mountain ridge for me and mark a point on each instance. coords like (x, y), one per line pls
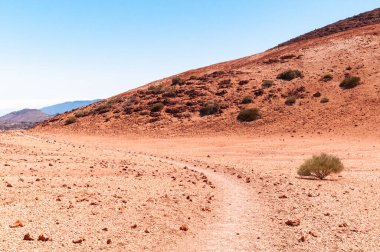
(66, 106)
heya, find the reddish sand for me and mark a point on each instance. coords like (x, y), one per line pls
(227, 193)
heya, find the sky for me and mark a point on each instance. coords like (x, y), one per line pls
(53, 51)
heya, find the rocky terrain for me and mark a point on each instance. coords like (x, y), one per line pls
(83, 193)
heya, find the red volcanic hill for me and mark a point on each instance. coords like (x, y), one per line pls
(326, 81)
(22, 119)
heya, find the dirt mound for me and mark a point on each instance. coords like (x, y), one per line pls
(361, 20)
(296, 88)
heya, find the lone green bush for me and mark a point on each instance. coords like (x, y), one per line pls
(350, 82)
(320, 166)
(70, 120)
(249, 115)
(209, 108)
(289, 75)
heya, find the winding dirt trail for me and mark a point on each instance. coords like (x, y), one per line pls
(237, 227)
(238, 222)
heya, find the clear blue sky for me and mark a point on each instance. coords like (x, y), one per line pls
(60, 50)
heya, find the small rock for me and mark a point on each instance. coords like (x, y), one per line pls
(17, 224)
(27, 237)
(184, 227)
(43, 238)
(317, 94)
(283, 197)
(134, 226)
(293, 223)
(344, 224)
(313, 233)
(109, 241)
(80, 240)
(302, 239)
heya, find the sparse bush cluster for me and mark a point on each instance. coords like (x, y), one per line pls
(177, 81)
(267, 83)
(82, 113)
(247, 100)
(157, 107)
(209, 108)
(70, 120)
(321, 166)
(156, 89)
(325, 100)
(350, 82)
(290, 75)
(327, 77)
(290, 100)
(102, 109)
(249, 115)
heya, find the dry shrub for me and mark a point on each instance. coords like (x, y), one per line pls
(321, 166)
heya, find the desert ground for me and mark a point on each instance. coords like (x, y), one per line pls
(217, 193)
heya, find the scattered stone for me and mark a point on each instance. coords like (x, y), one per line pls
(293, 223)
(184, 227)
(43, 238)
(17, 224)
(79, 241)
(313, 233)
(344, 224)
(317, 94)
(302, 239)
(27, 237)
(248, 180)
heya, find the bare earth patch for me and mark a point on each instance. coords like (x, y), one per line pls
(194, 194)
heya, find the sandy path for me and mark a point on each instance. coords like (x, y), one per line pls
(236, 228)
(338, 214)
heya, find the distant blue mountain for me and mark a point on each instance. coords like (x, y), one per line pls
(66, 106)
